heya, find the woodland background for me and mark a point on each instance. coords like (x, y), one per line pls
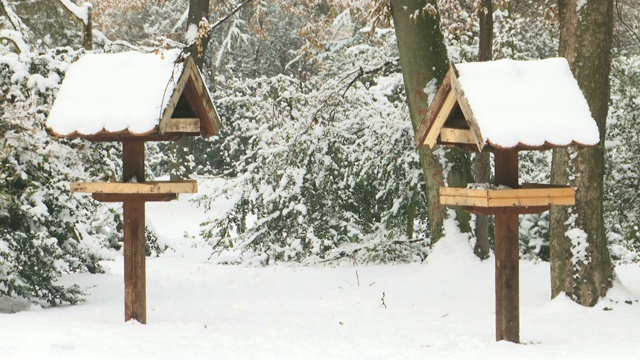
(317, 148)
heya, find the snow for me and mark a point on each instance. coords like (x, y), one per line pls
(115, 92)
(192, 33)
(528, 102)
(580, 5)
(443, 309)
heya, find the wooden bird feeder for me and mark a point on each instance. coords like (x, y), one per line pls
(506, 106)
(132, 98)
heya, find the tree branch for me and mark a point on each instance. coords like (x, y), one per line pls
(626, 25)
(220, 21)
(82, 15)
(16, 38)
(15, 20)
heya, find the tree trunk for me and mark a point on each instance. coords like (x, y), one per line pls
(580, 262)
(182, 149)
(87, 32)
(482, 161)
(423, 57)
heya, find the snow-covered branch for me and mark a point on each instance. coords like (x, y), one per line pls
(16, 38)
(82, 15)
(181, 21)
(17, 24)
(79, 12)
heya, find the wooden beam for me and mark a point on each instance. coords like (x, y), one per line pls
(183, 125)
(434, 129)
(466, 109)
(200, 100)
(135, 293)
(507, 254)
(173, 101)
(127, 136)
(191, 86)
(149, 187)
(108, 197)
(135, 286)
(542, 196)
(132, 161)
(434, 108)
(456, 136)
(504, 210)
(507, 281)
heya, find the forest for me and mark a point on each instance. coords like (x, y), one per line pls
(316, 155)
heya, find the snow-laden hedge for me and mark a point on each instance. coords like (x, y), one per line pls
(45, 231)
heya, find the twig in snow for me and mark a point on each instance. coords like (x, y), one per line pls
(382, 299)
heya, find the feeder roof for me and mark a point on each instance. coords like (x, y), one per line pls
(107, 97)
(509, 104)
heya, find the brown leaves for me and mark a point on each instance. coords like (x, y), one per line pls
(203, 34)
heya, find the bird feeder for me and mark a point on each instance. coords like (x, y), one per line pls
(504, 107)
(132, 98)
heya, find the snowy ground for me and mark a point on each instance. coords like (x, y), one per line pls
(440, 310)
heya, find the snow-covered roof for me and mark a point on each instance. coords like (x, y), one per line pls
(130, 94)
(510, 104)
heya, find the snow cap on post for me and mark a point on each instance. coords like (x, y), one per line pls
(107, 97)
(509, 104)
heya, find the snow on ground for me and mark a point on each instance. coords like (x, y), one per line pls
(443, 309)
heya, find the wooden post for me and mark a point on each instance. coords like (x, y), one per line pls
(135, 292)
(507, 254)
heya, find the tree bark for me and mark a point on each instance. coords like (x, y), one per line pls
(580, 261)
(182, 149)
(423, 57)
(482, 160)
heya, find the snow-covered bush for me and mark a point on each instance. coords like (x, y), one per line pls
(322, 169)
(622, 187)
(44, 230)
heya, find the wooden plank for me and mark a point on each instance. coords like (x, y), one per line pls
(532, 193)
(508, 198)
(149, 187)
(127, 136)
(532, 201)
(503, 210)
(192, 87)
(107, 197)
(551, 190)
(466, 109)
(198, 97)
(441, 117)
(464, 201)
(173, 101)
(183, 125)
(135, 292)
(434, 108)
(463, 192)
(456, 136)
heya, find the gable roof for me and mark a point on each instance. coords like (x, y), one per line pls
(106, 97)
(509, 104)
